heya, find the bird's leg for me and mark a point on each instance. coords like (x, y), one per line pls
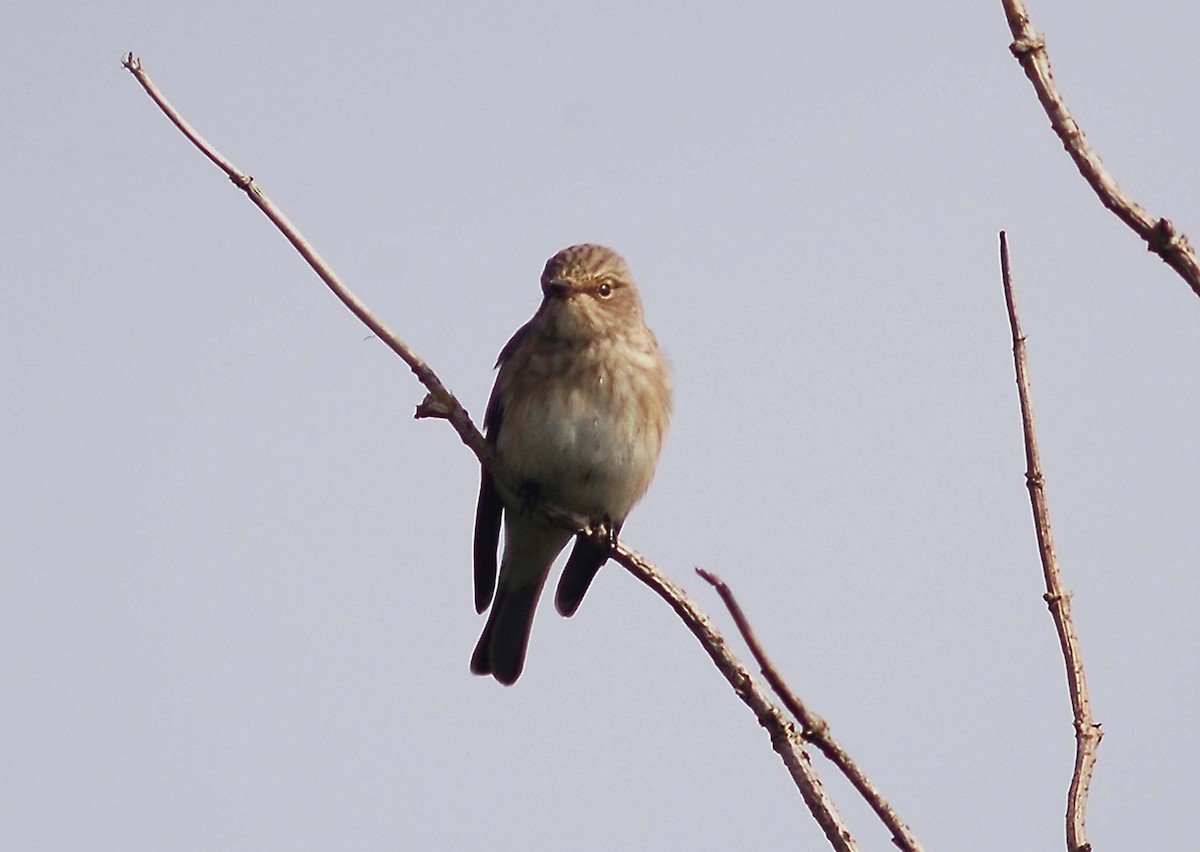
(614, 533)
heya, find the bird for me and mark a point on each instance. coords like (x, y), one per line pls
(578, 415)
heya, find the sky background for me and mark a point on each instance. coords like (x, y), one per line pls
(235, 586)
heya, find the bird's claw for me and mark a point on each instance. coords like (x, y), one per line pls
(604, 532)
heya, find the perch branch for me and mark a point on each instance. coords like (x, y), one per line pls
(814, 728)
(1160, 236)
(1087, 731)
(440, 400)
(440, 403)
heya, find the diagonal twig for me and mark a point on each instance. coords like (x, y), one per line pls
(1029, 47)
(814, 728)
(440, 403)
(785, 739)
(1087, 731)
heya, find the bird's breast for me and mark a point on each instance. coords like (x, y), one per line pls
(585, 432)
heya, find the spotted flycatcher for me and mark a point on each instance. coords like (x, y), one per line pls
(578, 414)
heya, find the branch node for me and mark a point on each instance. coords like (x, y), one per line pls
(817, 729)
(1164, 239)
(432, 407)
(1027, 45)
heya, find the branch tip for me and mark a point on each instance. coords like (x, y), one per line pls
(813, 728)
(1056, 596)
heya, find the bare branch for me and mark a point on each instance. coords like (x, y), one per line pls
(815, 729)
(784, 737)
(1087, 731)
(442, 400)
(440, 403)
(1029, 47)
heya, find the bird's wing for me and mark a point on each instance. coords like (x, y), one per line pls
(487, 517)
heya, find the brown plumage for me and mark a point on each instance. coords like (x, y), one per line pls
(579, 412)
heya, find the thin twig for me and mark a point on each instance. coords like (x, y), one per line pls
(443, 402)
(786, 740)
(440, 403)
(814, 728)
(1029, 47)
(1087, 731)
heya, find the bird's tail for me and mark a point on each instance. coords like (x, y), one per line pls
(586, 558)
(530, 547)
(500, 651)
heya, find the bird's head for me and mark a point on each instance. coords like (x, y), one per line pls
(587, 291)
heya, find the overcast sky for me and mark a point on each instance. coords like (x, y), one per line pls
(235, 588)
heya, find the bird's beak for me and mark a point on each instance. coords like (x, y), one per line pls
(557, 288)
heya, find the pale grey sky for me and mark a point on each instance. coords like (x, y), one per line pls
(235, 601)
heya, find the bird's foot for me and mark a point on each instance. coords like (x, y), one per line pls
(604, 533)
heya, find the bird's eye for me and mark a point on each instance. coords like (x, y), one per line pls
(605, 290)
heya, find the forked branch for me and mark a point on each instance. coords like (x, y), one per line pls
(814, 729)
